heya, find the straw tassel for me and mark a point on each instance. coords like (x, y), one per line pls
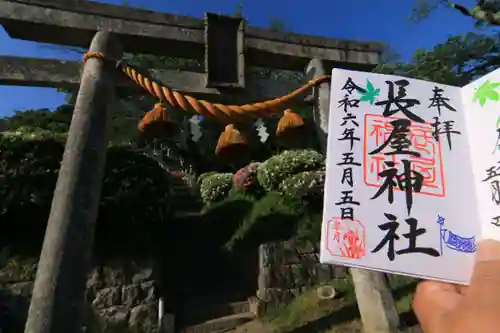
(231, 140)
(289, 122)
(157, 122)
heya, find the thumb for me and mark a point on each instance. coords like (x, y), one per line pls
(486, 275)
(488, 250)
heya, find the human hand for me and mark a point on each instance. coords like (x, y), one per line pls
(447, 308)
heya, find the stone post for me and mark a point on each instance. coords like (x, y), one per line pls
(321, 94)
(375, 302)
(58, 294)
(264, 277)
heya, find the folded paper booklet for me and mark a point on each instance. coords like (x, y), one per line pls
(412, 175)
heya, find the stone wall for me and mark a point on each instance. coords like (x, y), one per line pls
(286, 269)
(121, 297)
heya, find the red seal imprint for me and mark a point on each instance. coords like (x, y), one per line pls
(429, 163)
(345, 238)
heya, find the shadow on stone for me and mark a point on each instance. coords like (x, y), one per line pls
(350, 312)
(13, 310)
(344, 314)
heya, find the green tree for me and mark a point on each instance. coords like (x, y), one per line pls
(485, 12)
(43, 119)
(277, 25)
(457, 61)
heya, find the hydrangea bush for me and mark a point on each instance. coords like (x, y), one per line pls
(246, 177)
(215, 187)
(280, 167)
(306, 183)
(205, 175)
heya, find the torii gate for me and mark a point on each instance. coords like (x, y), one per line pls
(60, 282)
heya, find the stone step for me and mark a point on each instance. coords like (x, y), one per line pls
(219, 325)
(195, 312)
(183, 189)
(186, 214)
(189, 204)
(186, 210)
(186, 197)
(178, 182)
(180, 185)
(185, 194)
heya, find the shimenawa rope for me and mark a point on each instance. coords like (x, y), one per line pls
(190, 104)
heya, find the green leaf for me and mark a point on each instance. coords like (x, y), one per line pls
(369, 94)
(485, 92)
(369, 86)
(493, 95)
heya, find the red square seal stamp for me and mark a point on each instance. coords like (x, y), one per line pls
(429, 163)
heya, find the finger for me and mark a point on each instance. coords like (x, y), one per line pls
(488, 250)
(435, 296)
(432, 301)
(486, 275)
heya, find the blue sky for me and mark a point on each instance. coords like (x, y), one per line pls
(363, 20)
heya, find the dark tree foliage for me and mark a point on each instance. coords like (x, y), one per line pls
(54, 121)
(134, 200)
(485, 13)
(457, 61)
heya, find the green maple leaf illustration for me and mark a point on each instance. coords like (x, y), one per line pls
(487, 92)
(369, 94)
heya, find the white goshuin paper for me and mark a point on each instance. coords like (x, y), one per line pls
(453, 192)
